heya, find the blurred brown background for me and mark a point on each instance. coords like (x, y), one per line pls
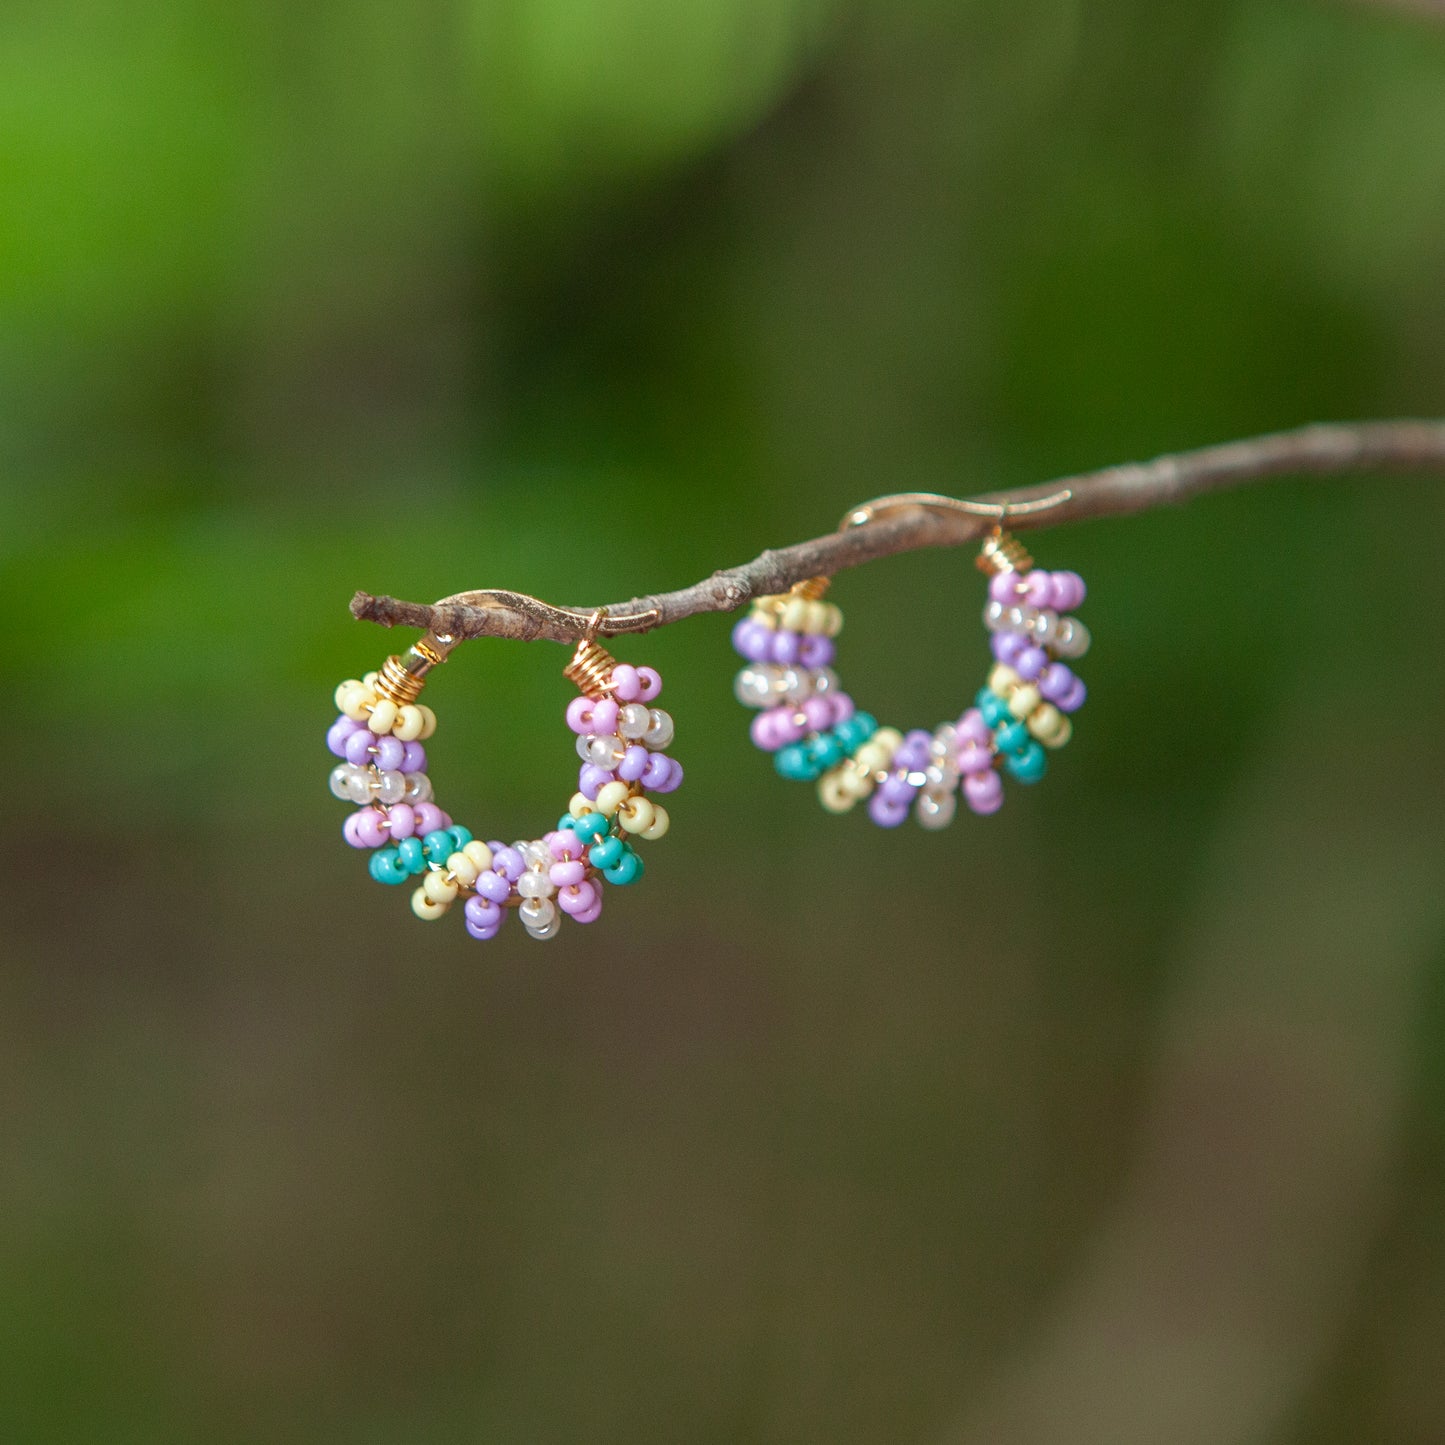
(1115, 1118)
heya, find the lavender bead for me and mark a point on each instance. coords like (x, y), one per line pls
(592, 779)
(896, 789)
(633, 764)
(784, 649)
(914, 752)
(1030, 662)
(483, 916)
(1055, 682)
(506, 861)
(413, 758)
(1008, 645)
(390, 753)
(884, 813)
(752, 640)
(358, 747)
(1073, 700)
(340, 731)
(815, 650)
(673, 779)
(655, 774)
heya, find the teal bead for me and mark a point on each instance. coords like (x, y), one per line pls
(866, 725)
(386, 867)
(564, 822)
(437, 846)
(1029, 765)
(462, 836)
(590, 825)
(1013, 738)
(411, 854)
(607, 852)
(792, 762)
(993, 707)
(627, 869)
(825, 752)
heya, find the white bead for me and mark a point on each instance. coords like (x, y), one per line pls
(391, 787)
(536, 854)
(1045, 627)
(935, 807)
(340, 782)
(993, 616)
(536, 912)
(660, 730)
(546, 930)
(1072, 638)
(794, 684)
(358, 786)
(535, 884)
(825, 680)
(584, 741)
(633, 721)
(418, 788)
(752, 687)
(605, 752)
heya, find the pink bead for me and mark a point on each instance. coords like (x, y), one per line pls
(975, 758)
(1067, 591)
(983, 792)
(591, 915)
(579, 897)
(428, 818)
(973, 729)
(564, 875)
(626, 684)
(1037, 588)
(349, 830)
(651, 683)
(401, 818)
(564, 844)
(370, 827)
(604, 716)
(819, 713)
(579, 715)
(1003, 588)
(446, 821)
(764, 732)
(843, 707)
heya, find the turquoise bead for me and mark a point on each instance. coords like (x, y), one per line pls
(565, 821)
(825, 752)
(992, 706)
(462, 835)
(607, 852)
(437, 846)
(386, 867)
(792, 762)
(1013, 738)
(627, 869)
(590, 825)
(411, 854)
(865, 725)
(1029, 765)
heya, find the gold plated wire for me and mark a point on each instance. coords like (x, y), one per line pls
(870, 511)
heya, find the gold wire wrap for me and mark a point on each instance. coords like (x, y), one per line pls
(398, 681)
(812, 589)
(1003, 552)
(590, 669)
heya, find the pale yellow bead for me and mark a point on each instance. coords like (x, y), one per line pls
(344, 691)
(888, 739)
(480, 854)
(359, 702)
(635, 814)
(610, 797)
(408, 724)
(580, 805)
(765, 613)
(816, 621)
(661, 822)
(1052, 732)
(1023, 700)
(1002, 678)
(462, 869)
(425, 907)
(856, 781)
(834, 793)
(833, 624)
(382, 717)
(371, 679)
(794, 615)
(438, 888)
(428, 720)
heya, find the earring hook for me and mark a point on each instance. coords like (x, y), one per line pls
(870, 511)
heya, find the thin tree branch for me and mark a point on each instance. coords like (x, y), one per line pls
(1321, 450)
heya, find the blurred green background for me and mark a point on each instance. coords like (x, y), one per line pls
(1116, 1118)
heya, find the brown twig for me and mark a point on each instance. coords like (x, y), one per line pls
(1322, 450)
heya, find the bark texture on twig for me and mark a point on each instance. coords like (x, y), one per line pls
(1321, 450)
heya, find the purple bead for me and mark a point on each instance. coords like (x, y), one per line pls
(1007, 645)
(390, 752)
(358, 747)
(973, 729)
(506, 861)
(914, 752)
(884, 813)
(1066, 591)
(633, 764)
(492, 886)
(1030, 663)
(428, 818)
(1055, 682)
(482, 912)
(349, 831)
(673, 779)
(339, 731)
(1003, 587)
(592, 779)
(815, 650)
(656, 771)
(413, 758)
(896, 788)
(752, 640)
(818, 710)
(1073, 700)
(784, 649)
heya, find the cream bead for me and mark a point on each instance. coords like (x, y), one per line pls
(426, 907)
(661, 822)
(766, 615)
(479, 854)
(815, 617)
(428, 720)
(580, 805)
(1023, 700)
(438, 888)
(856, 781)
(794, 616)
(1058, 735)
(370, 679)
(383, 714)
(834, 793)
(462, 869)
(636, 814)
(343, 693)
(1002, 678)
(833, 623)
(359, 702)
(408, 725)
(610, 797)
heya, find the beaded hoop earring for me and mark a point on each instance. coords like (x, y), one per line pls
(620, 737)
(815, 733)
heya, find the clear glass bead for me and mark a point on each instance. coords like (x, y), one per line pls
(660, 730)
(605, 752)
(1045, 627)
(536, 912)
(418, 788)
(935, 807)
(1072, 638)
(544, 930)
(359, 785)
(752, 687)
(535, 884)
(584, 740)
(390, 787)
(825, 680)
(340, 782)
(794, 684)
(536, 854)
(632, 721)
(993, 616)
